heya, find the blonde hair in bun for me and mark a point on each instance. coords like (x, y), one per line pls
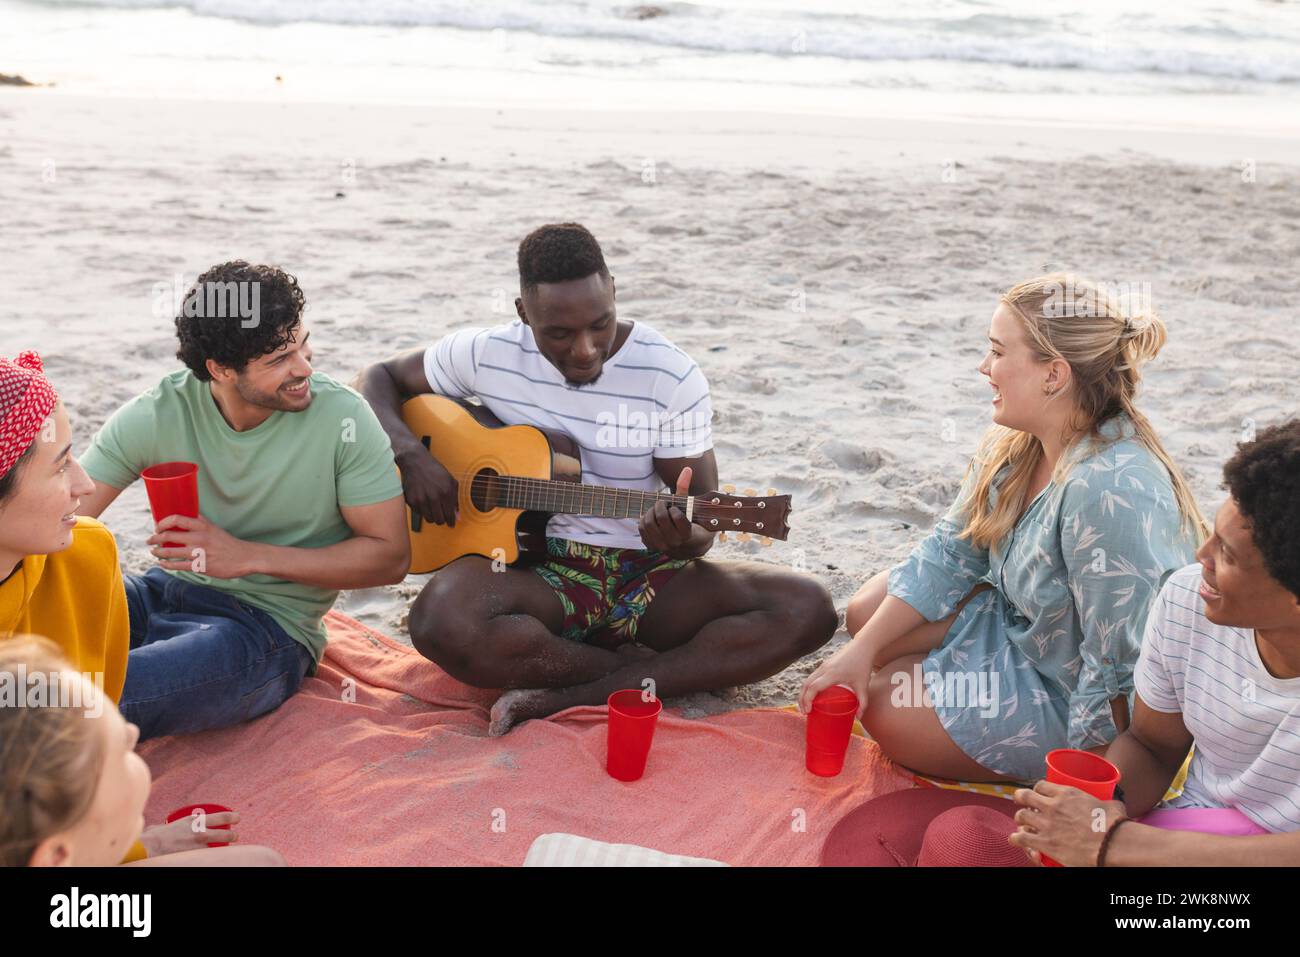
(1143, 336)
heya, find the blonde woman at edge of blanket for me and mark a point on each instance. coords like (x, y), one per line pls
(1014, 627)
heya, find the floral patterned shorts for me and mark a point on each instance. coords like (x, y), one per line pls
(604, 591)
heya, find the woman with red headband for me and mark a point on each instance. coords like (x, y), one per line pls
(59, 574)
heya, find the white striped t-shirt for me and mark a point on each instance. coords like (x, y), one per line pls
(1245, 722)
(651, 401)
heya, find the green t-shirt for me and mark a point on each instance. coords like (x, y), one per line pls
(281, 483)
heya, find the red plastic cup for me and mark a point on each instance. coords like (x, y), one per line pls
(631, 729)
(173, 489)
(1084, 770)
(830, 723)
(189, 810)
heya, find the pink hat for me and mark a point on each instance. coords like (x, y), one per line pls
(26, 401)
(926, 827)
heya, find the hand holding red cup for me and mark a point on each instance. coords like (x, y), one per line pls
(173, 489)
(1090, 773)
(830, 724)
(191, 810)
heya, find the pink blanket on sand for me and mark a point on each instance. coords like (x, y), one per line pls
(383, 759)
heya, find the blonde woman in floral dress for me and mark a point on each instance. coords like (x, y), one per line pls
(1014, 627)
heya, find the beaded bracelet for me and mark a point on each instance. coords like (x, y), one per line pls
(1105, 841)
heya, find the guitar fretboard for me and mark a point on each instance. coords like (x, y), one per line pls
(572, 498)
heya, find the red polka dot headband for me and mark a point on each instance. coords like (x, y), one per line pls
(26, 401)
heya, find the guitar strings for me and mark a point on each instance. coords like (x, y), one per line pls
(559, 486)
(565, 487)
(548, 490)
(558, 495)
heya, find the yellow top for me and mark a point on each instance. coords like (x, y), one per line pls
(76, 599)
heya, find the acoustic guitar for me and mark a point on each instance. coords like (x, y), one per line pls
(512, 478)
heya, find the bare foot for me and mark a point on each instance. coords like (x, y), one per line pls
(517, 706)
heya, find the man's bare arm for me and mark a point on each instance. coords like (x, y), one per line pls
(386, 385)
(379, 553)
(1149, 755)
(429, 489)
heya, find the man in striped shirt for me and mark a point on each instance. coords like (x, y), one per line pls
(1219, 669)
(616, 602)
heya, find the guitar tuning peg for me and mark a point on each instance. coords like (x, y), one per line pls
(729, 489)
(750, 493)
(722, 536)
(743, 536)
(767, 542)
(771, 491)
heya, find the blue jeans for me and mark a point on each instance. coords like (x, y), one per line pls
(201, 659)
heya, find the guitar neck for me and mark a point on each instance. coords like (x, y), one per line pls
(572, 498)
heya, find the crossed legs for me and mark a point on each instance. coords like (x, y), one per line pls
(712, 625)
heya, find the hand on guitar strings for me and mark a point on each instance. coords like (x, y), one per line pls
(430, 490)
(664, 527)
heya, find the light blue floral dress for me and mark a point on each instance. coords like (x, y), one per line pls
(1033, 663)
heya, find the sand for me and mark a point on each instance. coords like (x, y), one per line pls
(833, 277)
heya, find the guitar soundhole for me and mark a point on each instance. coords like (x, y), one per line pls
(485, 490)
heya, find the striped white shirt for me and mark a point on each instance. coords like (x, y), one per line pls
(651, 401)
(1246, 723)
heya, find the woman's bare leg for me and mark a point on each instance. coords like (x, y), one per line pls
(911, 735)
(865, 601)
(910, 732)
(922, 638)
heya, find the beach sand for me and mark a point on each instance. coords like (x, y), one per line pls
(833, 277)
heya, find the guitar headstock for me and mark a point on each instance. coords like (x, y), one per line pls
(723, 511)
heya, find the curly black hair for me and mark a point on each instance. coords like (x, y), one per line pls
(1263, 477)
(210, 325)
(558, 252)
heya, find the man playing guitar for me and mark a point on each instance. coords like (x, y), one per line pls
(614, 602)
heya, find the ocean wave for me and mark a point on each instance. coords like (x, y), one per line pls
(1147, 42)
